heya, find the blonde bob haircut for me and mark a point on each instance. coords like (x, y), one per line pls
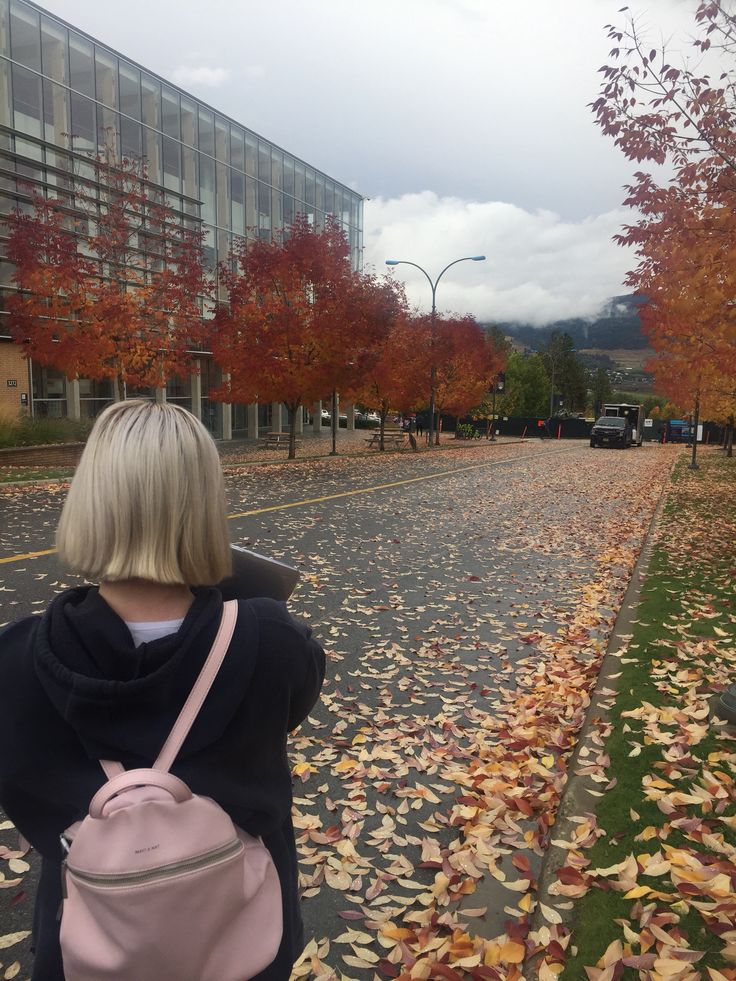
(147, 500)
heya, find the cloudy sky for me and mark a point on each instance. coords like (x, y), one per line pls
(465, 123)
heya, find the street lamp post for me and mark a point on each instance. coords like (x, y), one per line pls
(433, 287)
(553, 364)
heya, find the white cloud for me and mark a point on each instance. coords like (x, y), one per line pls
(195, 75)
(539, 268)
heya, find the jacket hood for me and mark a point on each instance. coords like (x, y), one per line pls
(119, 698)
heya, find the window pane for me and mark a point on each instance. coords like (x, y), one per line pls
(277, 209)
(207, 188)
(277, 168)
(223, 195)
(6, 106)
(264, 206)
(189, 173)
(130, 138)
(108, 129)
(288, 174)
(264, 162)
(251, 209)
(152, 154)
(4, 32)
(299, 180)
(130, 90)
(329, 197)
(27, 101)
(222, 140)
(172, 165)
(54, 50)
(56, 121)
(289, 210)
(81, 65)
(83, 123)
(237, 148)
(188, 121)
(206, 132)
(170, 102)
(237, 195)
(25, 35)
(320, 193)
(251, 155)
(106, 73)
(151, 93)
(309, 186)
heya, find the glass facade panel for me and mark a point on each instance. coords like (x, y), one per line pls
(222, 140)
(189, 178)
(170, 112)
(172, 164)
(188, 121)
(288, 174)
(108, 129)
(152, 154)
(223, 195)
(207, 188)
(299, 180)
(130, 138)
(289, 210)
(56, 118)
(81, 65)
(27, 101)
(237, 196)
(106, 74)
(319, 197)
(309, 186)
(251, 207)
(237, 148)
(6, 106)
(251, 155)
(4, 28)
(264, 162)
(25, 35)
(277, 168)
(277, 209)
(206, 132)
(130, 90)
(329, 197)
(151, 101)
(54, 50)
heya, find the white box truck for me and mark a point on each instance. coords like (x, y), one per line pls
(635, 415)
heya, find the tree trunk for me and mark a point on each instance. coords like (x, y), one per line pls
(384, 413)
(293, 409)
(729, 440)
(438, 428)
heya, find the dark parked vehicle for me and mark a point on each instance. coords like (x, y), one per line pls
(612, 431)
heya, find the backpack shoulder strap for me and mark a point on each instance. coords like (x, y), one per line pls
(201, 687)
(196, 697)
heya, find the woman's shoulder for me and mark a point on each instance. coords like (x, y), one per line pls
(275, 621)
(17, 638)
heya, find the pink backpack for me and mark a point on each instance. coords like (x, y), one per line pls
(159, 884)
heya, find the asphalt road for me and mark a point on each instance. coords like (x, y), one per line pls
(434, 581)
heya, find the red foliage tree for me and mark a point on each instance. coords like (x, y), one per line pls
(110, 281)
(298, 322)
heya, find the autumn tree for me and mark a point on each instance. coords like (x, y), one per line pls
(298, 321)
(662, 112)
(110, 280)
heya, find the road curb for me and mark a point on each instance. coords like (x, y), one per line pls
(575, 801)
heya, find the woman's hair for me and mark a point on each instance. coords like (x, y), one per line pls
(147, 500)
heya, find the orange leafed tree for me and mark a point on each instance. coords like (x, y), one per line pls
(110, 280)
(298, 322)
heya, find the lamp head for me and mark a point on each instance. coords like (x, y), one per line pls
(392, 262)
(478, 258)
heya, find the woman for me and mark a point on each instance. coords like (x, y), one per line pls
(105, 671)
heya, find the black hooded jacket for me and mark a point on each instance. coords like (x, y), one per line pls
(74, 690)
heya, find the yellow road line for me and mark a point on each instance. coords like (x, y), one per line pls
(335, 497)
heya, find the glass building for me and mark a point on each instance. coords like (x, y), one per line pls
(64, 97)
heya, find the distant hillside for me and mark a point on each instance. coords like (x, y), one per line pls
(619, 326)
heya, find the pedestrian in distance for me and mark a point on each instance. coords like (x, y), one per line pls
(102, 680)
(420, 426)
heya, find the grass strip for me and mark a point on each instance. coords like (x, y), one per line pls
(674, 795)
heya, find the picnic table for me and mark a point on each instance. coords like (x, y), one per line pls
(391, 437)
(273, 441)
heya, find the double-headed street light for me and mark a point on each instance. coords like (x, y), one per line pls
(433, 287)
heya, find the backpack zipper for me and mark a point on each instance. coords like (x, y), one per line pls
(117, 879)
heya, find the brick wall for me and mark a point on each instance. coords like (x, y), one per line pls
(58, 455)
(13, 368)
